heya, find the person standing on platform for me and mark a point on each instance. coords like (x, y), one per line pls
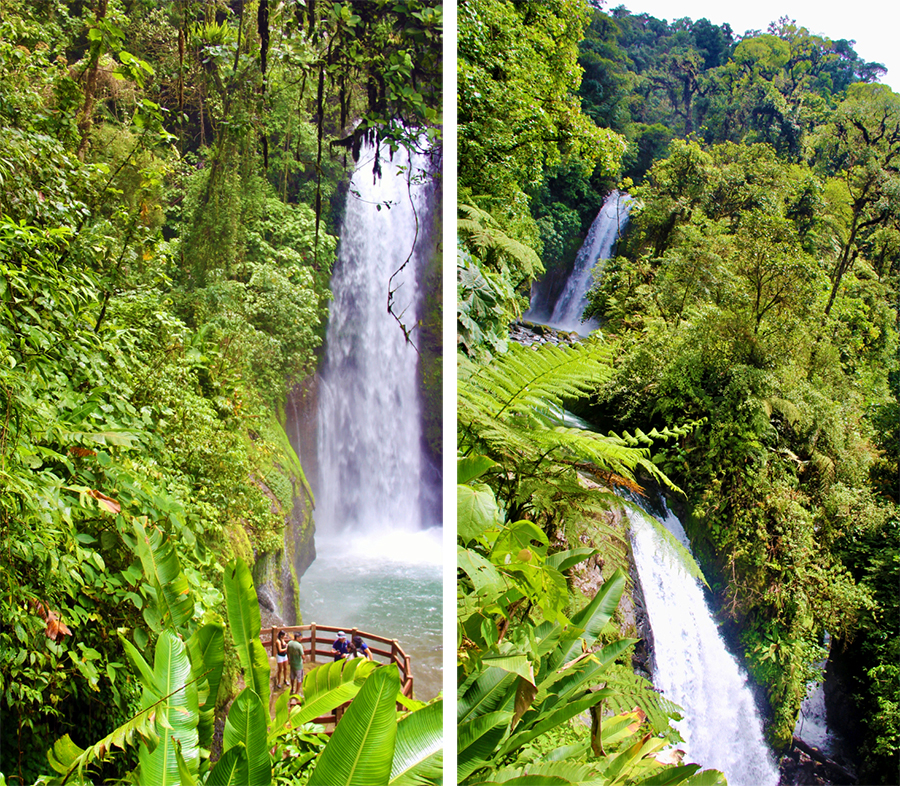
(281, 661)
(295, 660)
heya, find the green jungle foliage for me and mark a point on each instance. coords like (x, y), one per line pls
(174, 729)
(168, 178)
(532, 656)
(753, 296)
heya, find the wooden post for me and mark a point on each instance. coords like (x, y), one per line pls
(312, 643)
(272, 644)
(407, 674)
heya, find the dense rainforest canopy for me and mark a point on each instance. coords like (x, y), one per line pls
(171, 183)
(752, 304)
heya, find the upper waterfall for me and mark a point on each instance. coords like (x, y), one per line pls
(599, 243)
(722, 727)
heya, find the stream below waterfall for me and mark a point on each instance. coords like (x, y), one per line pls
(378, 551)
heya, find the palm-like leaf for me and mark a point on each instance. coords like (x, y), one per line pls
(591, 619)
(362, 747)
(490, 690)
(207, 649)
(477, 741)
(243, 617)
(161, 566)
(482, 233)
(419, 752)
(329, 686)
(176, 716)
(231, 768)
(246, 723)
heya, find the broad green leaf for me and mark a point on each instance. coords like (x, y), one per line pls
(161, 566)
(517, 664)
(472, 467)
(229, 768)
(707, 778)
(476, 511)
(418, 751)
(547, 721)
(176, 716)
(485, 577)
(361, 749)
(329, 686)
(207, 650)
(143, 668)
(477, 741)
(592, 618)
(244, 621)
(247, 723)
(489, 691)
(674, 775)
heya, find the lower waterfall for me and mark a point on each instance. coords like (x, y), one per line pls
(722, 728)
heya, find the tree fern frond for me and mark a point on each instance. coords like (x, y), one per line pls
(526, 378)
(482, 233)
(631, 690)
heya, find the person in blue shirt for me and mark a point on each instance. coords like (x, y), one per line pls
(359, 649)
(341, 646)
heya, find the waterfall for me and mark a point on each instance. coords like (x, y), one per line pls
(721, 728)
(378, 560)
(370, 461)
(598, 244)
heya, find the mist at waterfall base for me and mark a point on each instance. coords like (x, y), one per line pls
(378, 563)
(721, 728)
(601, 239)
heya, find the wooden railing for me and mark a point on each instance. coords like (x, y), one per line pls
(317, 641)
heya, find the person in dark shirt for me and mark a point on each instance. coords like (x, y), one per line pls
(359, 649)
(341, 646)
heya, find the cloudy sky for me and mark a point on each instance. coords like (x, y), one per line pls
(874, 26)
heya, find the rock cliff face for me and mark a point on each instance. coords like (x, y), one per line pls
(277, 573)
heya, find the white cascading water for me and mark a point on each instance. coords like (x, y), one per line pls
(598, 244)
(378, 564)
(722, 728)
(369, 410)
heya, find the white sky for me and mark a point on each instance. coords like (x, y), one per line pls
(874, 26)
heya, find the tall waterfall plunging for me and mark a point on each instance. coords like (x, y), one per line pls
(369, 410)
(378, 564)
(722, 728)
(598, 244)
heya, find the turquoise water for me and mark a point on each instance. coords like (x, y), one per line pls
(393, 590)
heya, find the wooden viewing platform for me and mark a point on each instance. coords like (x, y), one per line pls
(316, 644)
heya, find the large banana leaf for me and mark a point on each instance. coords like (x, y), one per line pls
(176, 717)
(243, 618)
(477, 740)
(419, 749)
(591, 619)
(493, 689)
(361, 749)
(231, 768)
(246, 723)
(566, 771)
(549, 720)
(329, 686)
(207, 650)
(161, 566)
